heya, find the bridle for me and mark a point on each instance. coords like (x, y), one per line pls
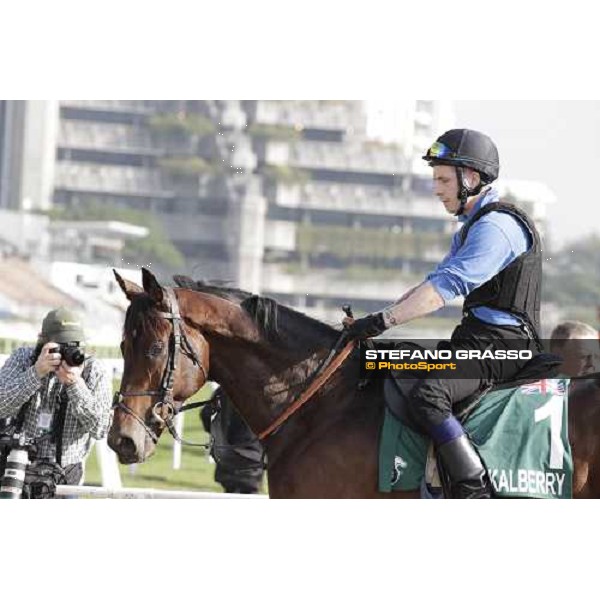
(178, 343)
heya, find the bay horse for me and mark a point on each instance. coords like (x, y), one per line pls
(262, 354)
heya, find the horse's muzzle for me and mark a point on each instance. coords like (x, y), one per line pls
(128, 449)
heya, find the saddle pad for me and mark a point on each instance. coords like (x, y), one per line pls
(521, 434)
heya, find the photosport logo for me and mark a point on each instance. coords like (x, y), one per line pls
(415, 358)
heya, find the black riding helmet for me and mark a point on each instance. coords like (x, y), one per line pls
(466, 148)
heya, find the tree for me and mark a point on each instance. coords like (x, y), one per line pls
(189, 124)
(572, 277)
(154, 248)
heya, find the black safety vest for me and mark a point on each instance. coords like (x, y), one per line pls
(517, 288)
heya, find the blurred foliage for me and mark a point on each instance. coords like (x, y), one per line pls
(346, 242)
(285, 174)
(154, 248)
(355, 272)
(193, 124)
(186, 166)
(273, 132)
(572, 277)
(381, 145)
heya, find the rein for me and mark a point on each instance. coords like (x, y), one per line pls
(168, 421)
(177, 343)
(321, 376)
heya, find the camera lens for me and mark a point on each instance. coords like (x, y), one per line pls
(73, 356)
(77, 358)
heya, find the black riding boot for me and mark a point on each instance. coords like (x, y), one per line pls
(463, 467)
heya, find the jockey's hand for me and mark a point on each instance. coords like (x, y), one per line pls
(367, 327)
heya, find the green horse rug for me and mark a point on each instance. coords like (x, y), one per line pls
(521, 434)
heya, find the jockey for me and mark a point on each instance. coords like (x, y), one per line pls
(494, 262)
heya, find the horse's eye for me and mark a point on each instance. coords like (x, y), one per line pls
(155, 350)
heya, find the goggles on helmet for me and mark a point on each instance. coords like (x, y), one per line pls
(439, 150)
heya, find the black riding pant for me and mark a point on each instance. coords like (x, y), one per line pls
(432, 399)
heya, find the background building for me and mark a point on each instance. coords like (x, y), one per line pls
(315, 203)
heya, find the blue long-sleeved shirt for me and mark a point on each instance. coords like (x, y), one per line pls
(492, 243)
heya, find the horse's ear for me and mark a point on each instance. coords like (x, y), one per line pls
(129, 288)
(152, 287)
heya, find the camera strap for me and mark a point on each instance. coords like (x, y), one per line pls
(20, 418)
(59, 425)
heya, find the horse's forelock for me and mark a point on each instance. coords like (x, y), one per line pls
(142, 315)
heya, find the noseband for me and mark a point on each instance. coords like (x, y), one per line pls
(178, 342)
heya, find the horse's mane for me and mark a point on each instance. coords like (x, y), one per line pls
(273, 319)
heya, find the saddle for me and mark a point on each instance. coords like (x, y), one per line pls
(396, 390)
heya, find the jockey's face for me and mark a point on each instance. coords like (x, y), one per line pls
(445, 185)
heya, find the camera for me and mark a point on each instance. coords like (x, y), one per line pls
(14, 458)
(72, 353)
(22, 475)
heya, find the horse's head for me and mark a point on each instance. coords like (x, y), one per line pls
(255, 345)
(166, 361)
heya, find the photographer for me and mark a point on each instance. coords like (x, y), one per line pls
(57, 396)
(236, 450)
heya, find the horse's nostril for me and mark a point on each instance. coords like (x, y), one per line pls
(126, 448)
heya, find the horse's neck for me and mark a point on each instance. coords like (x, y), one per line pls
(584, 424)
(261, 377)
(261, 381)
(584, 409)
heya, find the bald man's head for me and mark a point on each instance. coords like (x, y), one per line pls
(577, 344)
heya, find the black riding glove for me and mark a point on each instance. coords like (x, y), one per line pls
(369, 326)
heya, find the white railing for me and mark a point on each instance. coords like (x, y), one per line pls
(108, 178)
(359, 198)
(309, 113)
(122, 105)
(88, 491)
(77, 134)
(349, 156)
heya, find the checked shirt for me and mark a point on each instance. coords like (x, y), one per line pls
(88, 409)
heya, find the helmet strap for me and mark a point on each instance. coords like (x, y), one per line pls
(464, 191)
